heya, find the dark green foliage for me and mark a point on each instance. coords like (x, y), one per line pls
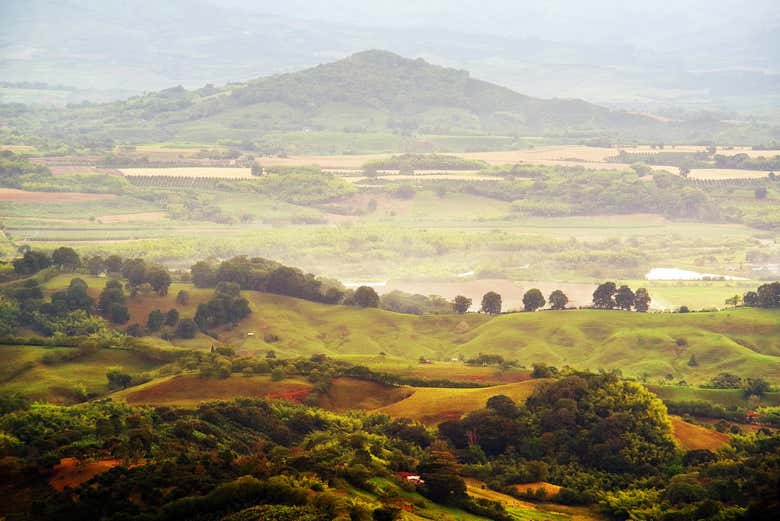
(365, 297)
(624, 298)
(172, 317)
(604, 296)
(31, 262)
(66, 258)
(442, 482)
(117, 379)
(533, 300)
(491, 303)
(642, 300)
(72, 299)
(226, 307)
(155, 320)
(186, 328)
(159, 278)
(461, 304)
(558, 300)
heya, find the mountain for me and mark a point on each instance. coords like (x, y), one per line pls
(372, 92)
(617, 54)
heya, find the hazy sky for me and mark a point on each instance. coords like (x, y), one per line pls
(658, 24)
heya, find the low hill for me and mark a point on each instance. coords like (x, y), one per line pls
(371, 92)
(745, 341)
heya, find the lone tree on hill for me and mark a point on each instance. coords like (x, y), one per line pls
(624, 298)
(558, 299)
(461, 304)
(533, 300)
(491, 303)
(366, 297)
(603, 297)
(642, 300)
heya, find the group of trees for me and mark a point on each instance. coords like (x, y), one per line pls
(33, 261)
(609, 296)
(226, 307)
(272, 277)
(766, 296)
(532, 300)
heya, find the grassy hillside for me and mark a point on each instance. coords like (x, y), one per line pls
(744, 341)
(24, 371)
(431, 405)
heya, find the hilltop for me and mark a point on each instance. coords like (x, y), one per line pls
(372, 92)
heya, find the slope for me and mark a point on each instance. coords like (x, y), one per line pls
(372, 92)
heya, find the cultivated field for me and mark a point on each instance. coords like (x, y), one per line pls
(11, 194)
(197, 172)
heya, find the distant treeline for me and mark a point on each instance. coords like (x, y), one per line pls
(703, 159)
(411, 162)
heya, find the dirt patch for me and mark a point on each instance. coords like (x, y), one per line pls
(71, 472)
(691, 437)
(11, 194)
(191, 390)
(349, 393)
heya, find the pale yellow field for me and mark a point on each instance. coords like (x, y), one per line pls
(725, 173)
(205, 172)
(434, 405)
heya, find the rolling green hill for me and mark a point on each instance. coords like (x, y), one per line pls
(657, 345)
(372, 92)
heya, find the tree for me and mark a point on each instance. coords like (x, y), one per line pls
(73, 298)
(461, 304)
(440, 474)
(183, 297)
(533, 300)
(187, 328)
(366, 297)
(760, 193)
(750, 299)
(558, 299)
(603, 297)
(503, 405)
(684, 171)
(134, 270)
(155, 320)
(114, 263)
(491, 303)
(95, 265)
(118, 379)
(642, 300)
(159, 278)
(257, 170)
(624, 298)
(204, 274)
(768, 295)
(172, 317)
(118, 313)
(756, 387)
(66, 258)
(31, 262)
(111, 298)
